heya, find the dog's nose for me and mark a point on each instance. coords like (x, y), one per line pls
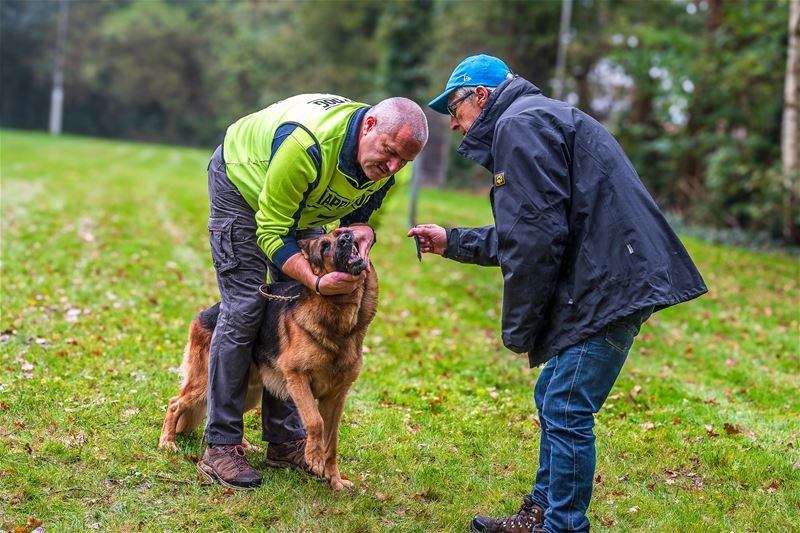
(347, 236)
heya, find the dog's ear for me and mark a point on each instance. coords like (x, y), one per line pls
(304, 247)
(310, 250)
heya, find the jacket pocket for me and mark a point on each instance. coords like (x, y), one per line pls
(220, 237)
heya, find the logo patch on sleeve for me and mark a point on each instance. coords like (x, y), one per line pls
(500, 179)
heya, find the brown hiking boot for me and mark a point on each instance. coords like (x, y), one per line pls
(227, 465)
(528, 519)
(290, 454)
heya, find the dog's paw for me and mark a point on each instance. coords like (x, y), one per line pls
(340, 483)
(251, 447)
(168, 446)
(315, 460)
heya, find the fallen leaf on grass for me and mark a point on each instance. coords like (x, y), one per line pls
(732, 430)
(710, 431)
(648, 425)
(634, 509)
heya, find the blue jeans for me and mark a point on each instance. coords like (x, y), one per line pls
(573, 387)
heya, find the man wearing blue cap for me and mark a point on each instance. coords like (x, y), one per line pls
(586, 257)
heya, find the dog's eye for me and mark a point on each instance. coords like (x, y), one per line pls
(324, 247)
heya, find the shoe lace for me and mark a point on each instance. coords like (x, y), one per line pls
(295, 447)
(525, 517)
(238, 456)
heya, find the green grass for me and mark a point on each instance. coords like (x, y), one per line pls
(105, 261)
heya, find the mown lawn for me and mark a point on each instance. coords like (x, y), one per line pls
(105, 261)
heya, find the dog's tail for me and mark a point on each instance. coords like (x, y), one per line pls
(208, 317)
(194, 392)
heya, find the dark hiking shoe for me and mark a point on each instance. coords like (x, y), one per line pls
(290, 454)
(529, 518)
(228, 466)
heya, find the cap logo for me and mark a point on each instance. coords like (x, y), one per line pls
(500, 179)
(467, 77)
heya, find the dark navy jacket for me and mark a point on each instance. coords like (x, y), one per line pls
(578, 238)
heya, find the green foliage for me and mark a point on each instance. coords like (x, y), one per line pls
(157, 34)
(106, 260)
(741, 193)
(711, 85)
(705, 77)
(405, 30)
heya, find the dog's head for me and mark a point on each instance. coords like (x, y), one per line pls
(333, 253)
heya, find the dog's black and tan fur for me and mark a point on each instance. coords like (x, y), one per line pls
(308, 349)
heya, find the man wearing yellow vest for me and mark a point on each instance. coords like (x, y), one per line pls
(280, 175)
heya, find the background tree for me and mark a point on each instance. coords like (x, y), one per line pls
(790, 140)
(691, 88)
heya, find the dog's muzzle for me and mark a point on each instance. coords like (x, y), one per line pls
(346, 254)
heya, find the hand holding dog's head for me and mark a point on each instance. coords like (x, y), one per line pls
(333, 253)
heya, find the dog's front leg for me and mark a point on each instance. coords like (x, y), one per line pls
(331, 410)
(299, 389)
(167, 440)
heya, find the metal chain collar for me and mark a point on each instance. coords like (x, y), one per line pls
(276, 297)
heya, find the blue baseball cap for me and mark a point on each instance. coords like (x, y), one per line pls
(488, 71)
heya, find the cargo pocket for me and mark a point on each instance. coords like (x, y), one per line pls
(219, 235)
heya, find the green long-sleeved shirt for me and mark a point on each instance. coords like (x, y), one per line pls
(295, 165)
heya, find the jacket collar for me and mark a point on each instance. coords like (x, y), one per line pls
(477, 143)
(348, 155)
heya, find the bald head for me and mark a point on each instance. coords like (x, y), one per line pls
(393, 113)
(393, 132)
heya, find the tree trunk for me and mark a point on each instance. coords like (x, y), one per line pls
(790, 141)
(57, 93)
(432, 161)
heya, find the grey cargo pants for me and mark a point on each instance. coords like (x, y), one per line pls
(241, 268)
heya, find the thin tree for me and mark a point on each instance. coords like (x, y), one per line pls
(57, 93)
(563, 41)
(790, 141)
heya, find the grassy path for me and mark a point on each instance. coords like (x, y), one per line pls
(105, 261)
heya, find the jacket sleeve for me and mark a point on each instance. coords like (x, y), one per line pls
(292, 174)
(477, 246)
(531, 217)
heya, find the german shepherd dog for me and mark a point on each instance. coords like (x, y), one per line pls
(308, 349)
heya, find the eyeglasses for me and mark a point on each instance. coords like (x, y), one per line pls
(451, 107)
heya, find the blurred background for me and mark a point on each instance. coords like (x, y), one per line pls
(695, 90)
